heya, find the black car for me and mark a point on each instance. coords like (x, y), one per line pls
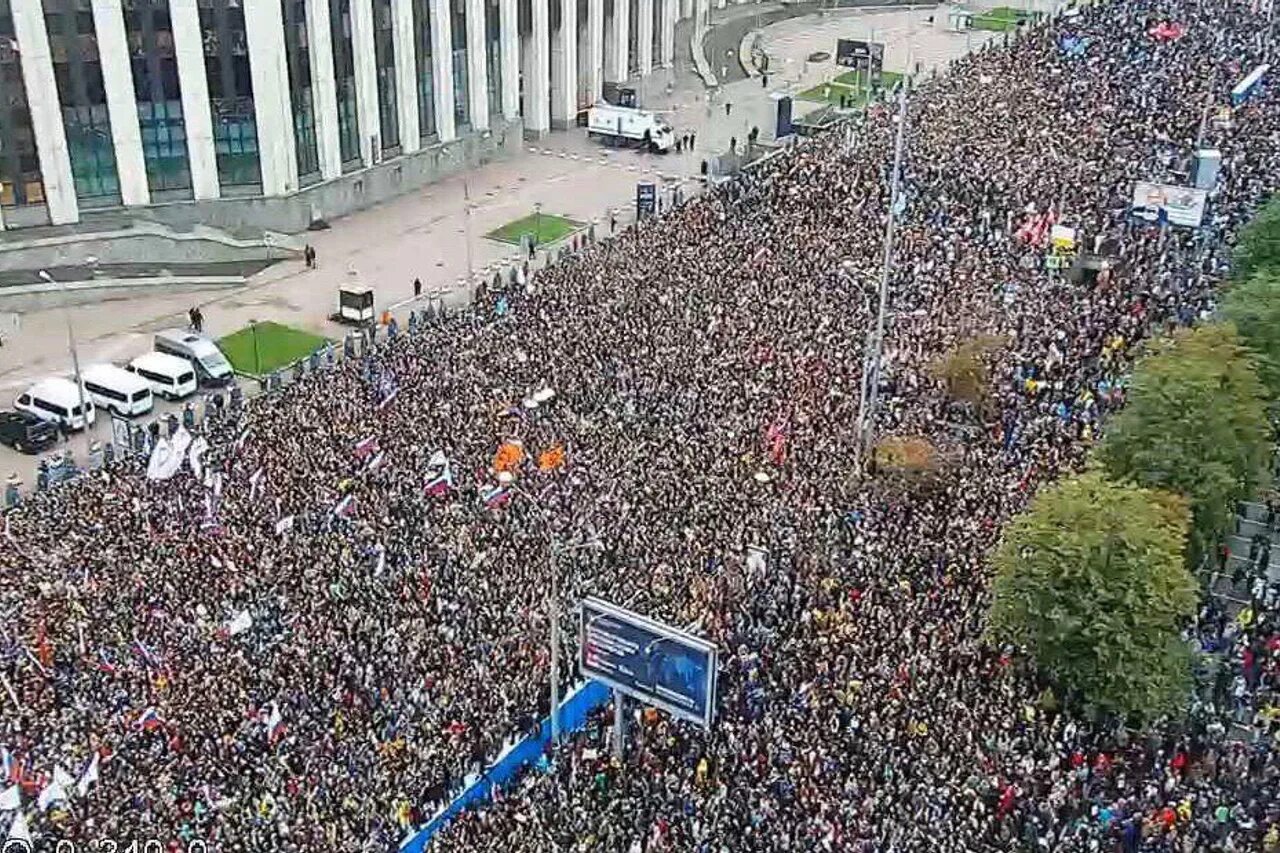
(26, 433)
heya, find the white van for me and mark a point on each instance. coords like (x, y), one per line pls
(57, 400)
(212, 367)
(170, 377)
(117, 390)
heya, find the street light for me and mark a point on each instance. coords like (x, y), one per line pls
(71, 341)
(553, 605)
(257, 360)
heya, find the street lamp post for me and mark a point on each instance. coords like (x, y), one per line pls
(257, 359)
(870, 395)
(71, 340)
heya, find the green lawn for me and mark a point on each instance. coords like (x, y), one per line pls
(847, 84)
(276, 345)
(998, 19)
(548, 227)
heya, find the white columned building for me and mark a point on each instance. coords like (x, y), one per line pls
(272, 105)
(564, 90)
(442, 69)
(477, 68)
(122, 104)
(46, 116)
(188, 53)
(667, 38)
(644, 36)
(404, 44)
(595, 50)
(617, 61)
(537, 71)
(364, 58)
(509, 44)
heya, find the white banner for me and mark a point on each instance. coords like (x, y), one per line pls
(1179, 205)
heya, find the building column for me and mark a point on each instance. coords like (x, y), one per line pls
(616, 70)
(324, 90)
(477, 67)
(366, 79)
(197, 117)
(564, 97)
(272, 104)
(402, 37)
(122, 104)
(509, 44)
(667, 38)
(537, 71)
(595, 50)
(442, 69)
(686, 9)
(46, 115)
(644, 38)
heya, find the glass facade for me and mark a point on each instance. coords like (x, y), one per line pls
(226, 66)
(298, 52)
(344, 78)
(422, 56)
(384, 51)
(20, 181)
(493, 57)
(82, 97)
(461, 101)
(156, 87)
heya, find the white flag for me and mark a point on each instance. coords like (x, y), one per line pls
(196, 456)
(285, 524)
(161, 465)
(53, 793)
(11, 799)
(240, 623)
(89, 776)
(19, 831)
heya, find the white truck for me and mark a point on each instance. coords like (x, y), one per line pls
(629, 125)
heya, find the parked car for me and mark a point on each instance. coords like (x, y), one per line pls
(26, 433)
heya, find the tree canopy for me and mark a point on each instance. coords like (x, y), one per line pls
(1258, 246)
(1253, 305)
(1091, 580)
(1195, 424)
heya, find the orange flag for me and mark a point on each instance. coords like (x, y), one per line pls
(508, 457)
(551, 459)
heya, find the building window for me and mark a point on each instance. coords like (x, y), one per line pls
(82, 95)
(384, 57)
(298, 51)
(422, 55)
(344, 78)
(226, 65)
(461, 99)
(20, 181)
(493, 57)
(156, 87)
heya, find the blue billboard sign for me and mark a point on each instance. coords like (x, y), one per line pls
(653, 663)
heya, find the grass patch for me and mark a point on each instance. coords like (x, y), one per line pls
(276, 345)
(999, 19)
(847, 84)
(547, 228)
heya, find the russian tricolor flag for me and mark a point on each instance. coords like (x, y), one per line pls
(496, 497)
(346, 507)
(150, 720)
(440, 486)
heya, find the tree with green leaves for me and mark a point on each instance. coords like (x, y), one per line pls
(1092, 582)
(1254, 306)
(1195, 423)
(1259, 244)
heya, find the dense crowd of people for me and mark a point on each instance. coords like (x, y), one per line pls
(311, 641)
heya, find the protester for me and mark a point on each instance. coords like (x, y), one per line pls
(310, 643)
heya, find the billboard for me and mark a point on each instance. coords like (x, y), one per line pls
(862, 55)
(648, 661)
(1175, 205)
